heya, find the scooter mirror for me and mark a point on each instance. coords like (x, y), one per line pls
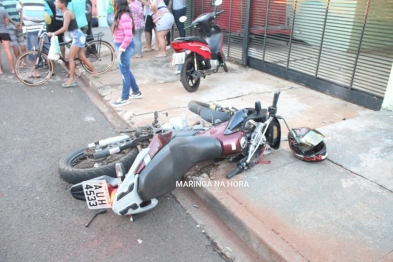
(218, 2)
(183, 18)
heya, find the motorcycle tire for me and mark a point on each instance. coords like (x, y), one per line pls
(186, 79)
(76, 168)
(225, 67)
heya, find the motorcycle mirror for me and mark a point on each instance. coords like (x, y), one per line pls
(120, 170)
(218, 2)
(183, 18)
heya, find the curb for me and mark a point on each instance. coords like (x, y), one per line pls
(258, 237)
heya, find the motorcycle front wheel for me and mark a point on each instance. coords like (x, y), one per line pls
(76, 167)
(189, 83)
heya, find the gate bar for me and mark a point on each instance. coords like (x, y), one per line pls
(290, 37)
(360, 44)
(246, 36)
(322, 37)
(264, 38)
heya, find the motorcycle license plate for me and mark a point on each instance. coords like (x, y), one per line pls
(178, 58)
(96, 193)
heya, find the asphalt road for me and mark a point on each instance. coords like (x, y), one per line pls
(40, 220)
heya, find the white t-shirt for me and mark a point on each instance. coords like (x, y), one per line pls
(178, 4)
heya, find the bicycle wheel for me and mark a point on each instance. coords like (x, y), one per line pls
(101, 54)
(25, 73)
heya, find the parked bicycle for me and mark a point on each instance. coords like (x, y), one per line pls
(100, 53)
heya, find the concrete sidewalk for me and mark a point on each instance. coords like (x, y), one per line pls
(336, 210)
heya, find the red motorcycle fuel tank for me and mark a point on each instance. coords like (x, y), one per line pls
(232, 144)
(180, 45)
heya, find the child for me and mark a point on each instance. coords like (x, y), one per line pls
(78, 41)
(123, 32)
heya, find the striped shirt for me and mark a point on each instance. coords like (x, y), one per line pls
(33, 13)
(10, 8)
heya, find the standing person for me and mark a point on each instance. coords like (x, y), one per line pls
(168, 36)
(57, 23)
(78, 41)
(164, 21)
(179, 9)
(139, 21)
(32, 14)
(110, 13)
(149, 26)
(14, 28)
(5, 39)
(78, 7)
(123, 32)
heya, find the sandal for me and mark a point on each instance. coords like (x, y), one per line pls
(137, 56)
(33, 76)
(159, 56)
(70, 85)
(147, 50)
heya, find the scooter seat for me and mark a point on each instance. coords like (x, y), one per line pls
(192, 39)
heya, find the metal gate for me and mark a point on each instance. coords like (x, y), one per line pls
(340, 47)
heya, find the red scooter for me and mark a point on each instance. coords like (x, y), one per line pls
(198, 56)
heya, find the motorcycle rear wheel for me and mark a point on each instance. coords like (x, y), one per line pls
(76, 168)
(189, 83)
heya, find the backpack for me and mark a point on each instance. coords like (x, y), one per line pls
(88, 10)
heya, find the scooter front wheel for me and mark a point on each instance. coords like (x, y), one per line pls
(186, 78)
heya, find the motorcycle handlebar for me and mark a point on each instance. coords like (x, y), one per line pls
(218, 13)
(275, 99)
(234, 172)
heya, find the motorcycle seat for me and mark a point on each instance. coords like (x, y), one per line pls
(192, 39)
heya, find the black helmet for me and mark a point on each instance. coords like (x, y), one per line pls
(308, 145)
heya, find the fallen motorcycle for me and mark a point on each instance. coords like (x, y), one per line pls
(241, 135)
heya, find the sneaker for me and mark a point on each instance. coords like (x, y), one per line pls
(167, 47)
(121, 102)
(136, 95)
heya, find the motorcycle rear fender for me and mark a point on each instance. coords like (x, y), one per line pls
(273, 134)
(172, 162)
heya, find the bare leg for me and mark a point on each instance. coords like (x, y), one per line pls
(148, 40)
(7, 48)
(62, 51)
(16, 51)
(162, 42)
(71, 62)
(87, 62)
(23, 49)
(157, 41)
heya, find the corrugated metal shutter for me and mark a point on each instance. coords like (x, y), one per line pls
(349, 43)
(231, 22)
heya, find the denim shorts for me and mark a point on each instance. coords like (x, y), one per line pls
(78, 38)
(17, 37)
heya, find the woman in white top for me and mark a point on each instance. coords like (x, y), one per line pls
(164, 21)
